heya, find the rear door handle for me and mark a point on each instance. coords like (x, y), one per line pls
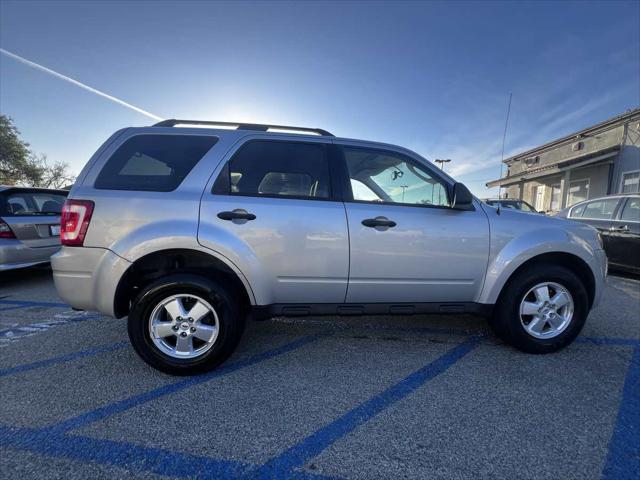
(378, 222)
(236, 215)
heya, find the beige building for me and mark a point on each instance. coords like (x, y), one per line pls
(600, 160)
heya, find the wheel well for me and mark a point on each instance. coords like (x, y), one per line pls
(158, 264)
(567, 260)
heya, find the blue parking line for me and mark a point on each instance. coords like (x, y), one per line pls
(628, 342)
(297, 456)
(623, 459)
(119, 454)
(134, 458)
(28, 303)
(127, 403)
(14, 308)
(61, 359)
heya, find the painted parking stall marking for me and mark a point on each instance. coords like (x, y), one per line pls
(295, 456)
(298, 455)
(103, 412)
(15, 332)
(62, 359)
(623, 459)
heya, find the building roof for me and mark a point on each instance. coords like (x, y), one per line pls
(614, 121)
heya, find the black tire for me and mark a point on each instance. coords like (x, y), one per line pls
(506, 322)
(230, 319)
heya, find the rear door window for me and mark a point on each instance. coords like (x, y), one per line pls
(600, 209)
(279, 169)
(156, 163)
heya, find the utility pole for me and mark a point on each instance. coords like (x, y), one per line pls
(403, 187)
(442, 161)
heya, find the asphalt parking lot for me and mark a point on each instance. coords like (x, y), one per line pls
(362, 398)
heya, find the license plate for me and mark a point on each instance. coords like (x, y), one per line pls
(55, 230)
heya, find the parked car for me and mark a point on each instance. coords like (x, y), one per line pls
(29, 225)
(511, 203)
(186, 230)
(617, 218)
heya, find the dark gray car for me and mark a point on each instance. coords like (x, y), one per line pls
(29, 225)
(617, 218)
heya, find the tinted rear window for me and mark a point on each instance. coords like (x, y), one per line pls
(274, 168)
(23, 203)
(156, 163)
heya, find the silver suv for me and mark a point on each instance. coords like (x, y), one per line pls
(188, 230)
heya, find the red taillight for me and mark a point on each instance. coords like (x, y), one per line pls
(74, 221)
(5, 231)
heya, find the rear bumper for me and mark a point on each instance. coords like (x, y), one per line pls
(15, 254)
(86, 278)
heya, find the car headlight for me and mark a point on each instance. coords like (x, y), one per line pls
(600, 240)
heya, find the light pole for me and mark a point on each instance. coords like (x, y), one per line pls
(442, 161)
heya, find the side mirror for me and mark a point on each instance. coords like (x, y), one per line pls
(462, 198)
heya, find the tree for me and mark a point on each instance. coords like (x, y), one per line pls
(54, 175)
(21, 166)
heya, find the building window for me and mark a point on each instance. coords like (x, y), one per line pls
(578, 191)
(556, 198)
(630, 182)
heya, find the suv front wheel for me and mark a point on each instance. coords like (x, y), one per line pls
(541, 309)
(185, 324)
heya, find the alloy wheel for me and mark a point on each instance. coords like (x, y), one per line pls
(546, 310)
(184, 326)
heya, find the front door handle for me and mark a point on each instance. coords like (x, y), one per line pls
(623, 228)
(378, 222)
(236, 215)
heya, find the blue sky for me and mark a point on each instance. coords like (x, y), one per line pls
(434, 77)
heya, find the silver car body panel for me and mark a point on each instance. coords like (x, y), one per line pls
(433, 254)
(87, 278)
(298, 256)
(518, 236)
(307, 251)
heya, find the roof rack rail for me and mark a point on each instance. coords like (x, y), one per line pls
(242, 126)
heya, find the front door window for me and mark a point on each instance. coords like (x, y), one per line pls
(384, 177)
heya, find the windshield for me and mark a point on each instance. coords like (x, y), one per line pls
(14, 204)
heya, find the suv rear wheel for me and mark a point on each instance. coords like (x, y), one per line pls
(185, 324)
(541, 309)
